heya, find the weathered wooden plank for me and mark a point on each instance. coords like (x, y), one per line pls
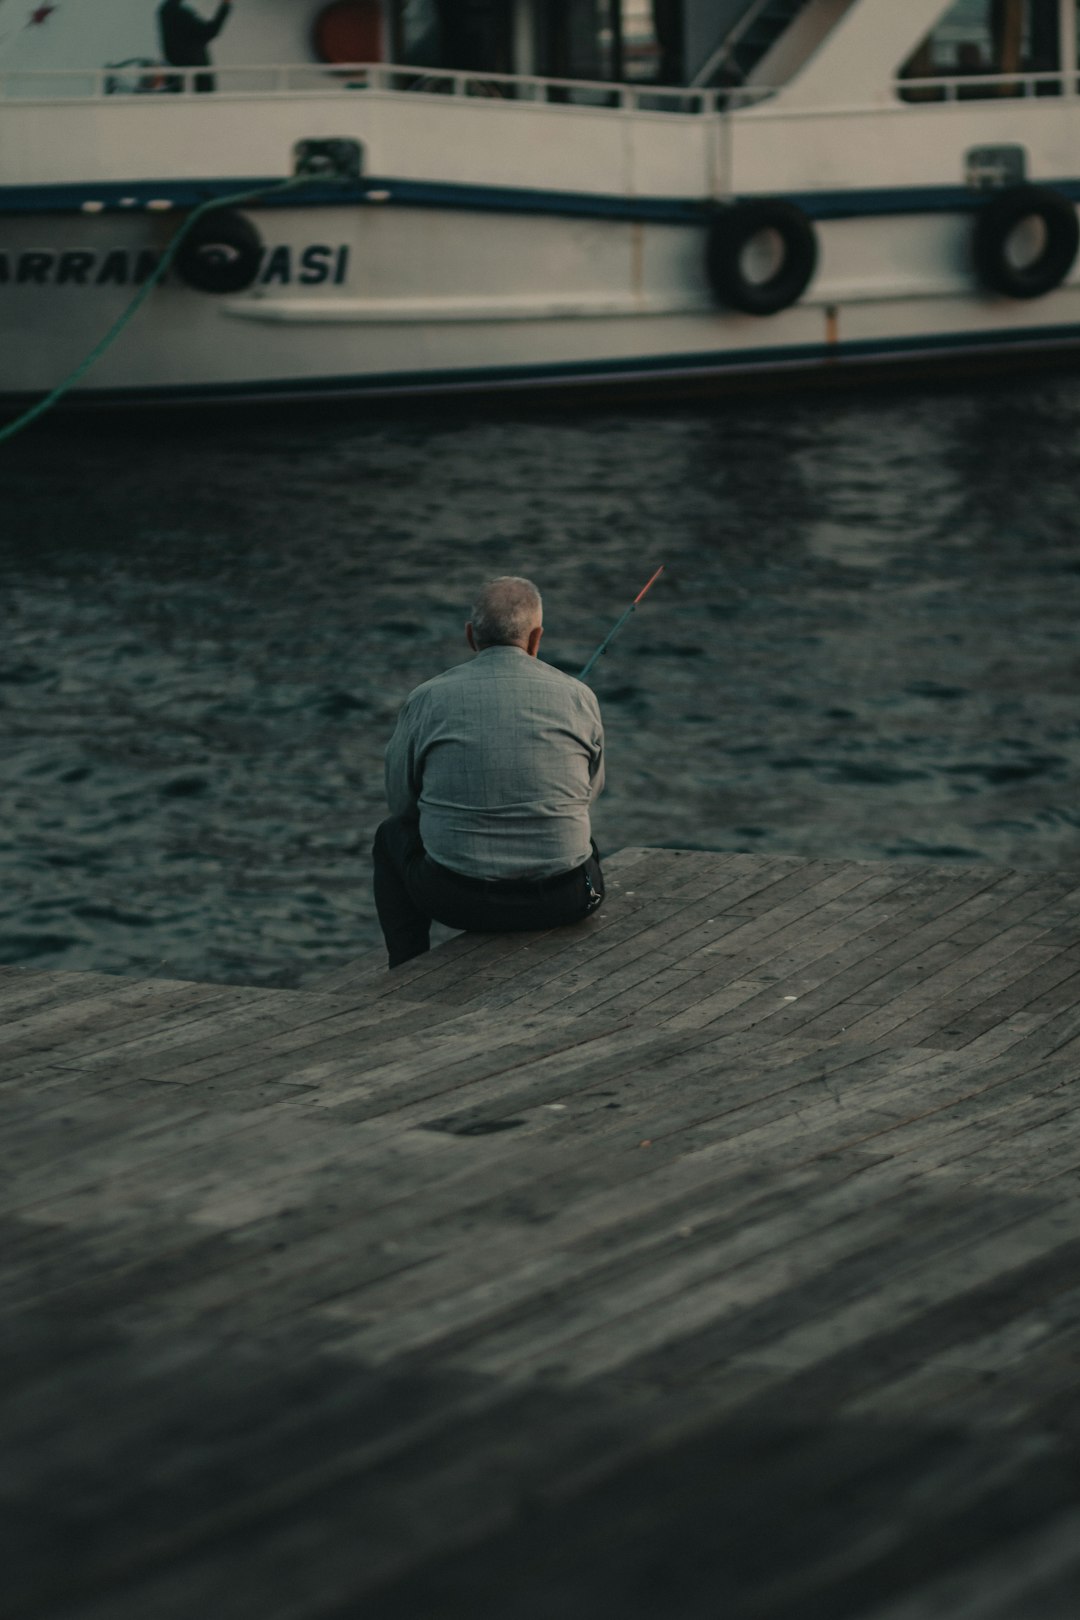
(54, 1028)
(1049, 968)
(933, 982)
(246, 1037)
(920, 951)
(26, 992)
(833, 1314)
(838, 922)
(352, 977)
(1013, 1372)
(992, 996)
(231, 1028)
(868, 1112)
(827, 1353)
(593, 1288)
(875, 967)
(919, 903)
(1035, 1573)
(434, 1059)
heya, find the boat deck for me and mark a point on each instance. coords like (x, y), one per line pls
(720, 1257)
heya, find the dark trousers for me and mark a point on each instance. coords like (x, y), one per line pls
(412, 891)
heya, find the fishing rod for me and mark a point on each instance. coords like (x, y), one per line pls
(617, 626)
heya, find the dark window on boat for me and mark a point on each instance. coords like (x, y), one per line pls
(639, 41)
(575, 39)
(979, 42)
(473, 36)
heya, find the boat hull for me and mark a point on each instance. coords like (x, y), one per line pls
(378, 297)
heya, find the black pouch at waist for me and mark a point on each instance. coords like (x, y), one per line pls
(507, 885)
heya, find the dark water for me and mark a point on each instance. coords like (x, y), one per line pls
(865, 645)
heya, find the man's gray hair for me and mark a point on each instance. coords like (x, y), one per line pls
(505, 612)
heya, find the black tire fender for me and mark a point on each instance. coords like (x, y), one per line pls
(221, 253)
(994, 225)
(730, 231)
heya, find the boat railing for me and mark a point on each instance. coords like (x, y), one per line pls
(987, 86)
(144, 77)
(139, 77)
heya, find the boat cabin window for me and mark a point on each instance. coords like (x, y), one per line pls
(987, 48)
(471, 35)
(639, 41)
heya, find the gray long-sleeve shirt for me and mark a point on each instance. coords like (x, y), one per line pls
(501, 759)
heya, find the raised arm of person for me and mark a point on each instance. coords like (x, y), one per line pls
(212, 26)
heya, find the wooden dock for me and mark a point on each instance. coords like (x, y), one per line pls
(719, 1258)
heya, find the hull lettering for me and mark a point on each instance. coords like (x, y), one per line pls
(319, 264)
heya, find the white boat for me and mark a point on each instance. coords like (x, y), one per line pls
(526, 193)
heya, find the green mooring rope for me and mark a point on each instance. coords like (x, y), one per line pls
(20, 422)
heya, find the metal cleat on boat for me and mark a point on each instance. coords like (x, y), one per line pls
(333, 159)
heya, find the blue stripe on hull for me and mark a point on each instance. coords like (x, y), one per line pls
(810, 359)
(133, 196)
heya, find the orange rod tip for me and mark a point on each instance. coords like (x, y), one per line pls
(650, 585)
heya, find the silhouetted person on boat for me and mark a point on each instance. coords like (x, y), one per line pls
(185, 37)
(490, 777)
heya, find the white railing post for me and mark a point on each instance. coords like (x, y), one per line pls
(1069, 47)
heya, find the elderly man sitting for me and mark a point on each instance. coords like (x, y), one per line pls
(490, 775)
